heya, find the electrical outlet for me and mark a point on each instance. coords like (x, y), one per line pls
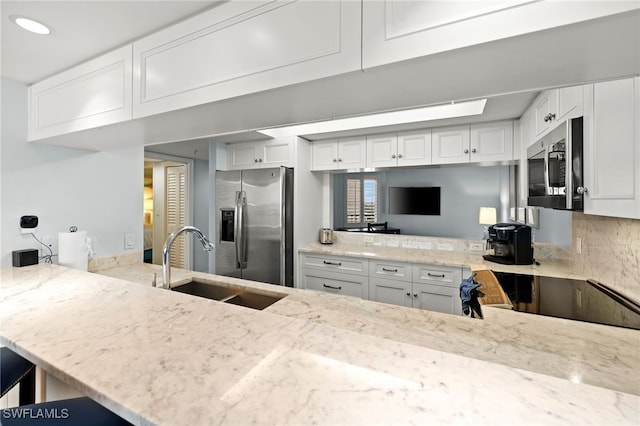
(578, 298)
(579, 245)
(52, 243)
(476, 246)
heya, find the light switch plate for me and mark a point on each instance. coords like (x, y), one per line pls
(129, 241)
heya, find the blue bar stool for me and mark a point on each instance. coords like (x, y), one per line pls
(81, 411)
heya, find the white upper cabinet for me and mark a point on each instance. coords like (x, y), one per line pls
(90, 95)
(402, 149)
(612, 148)
(414, 148)
(257, 155)
(450, 145)
(338, 154)
(395, 30)
(475, 143)
(243, 47)
(491, 142)
(382, 150)
(552, 107)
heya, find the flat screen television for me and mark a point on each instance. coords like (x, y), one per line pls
(424, 200)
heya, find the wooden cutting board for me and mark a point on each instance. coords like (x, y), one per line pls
(493, 293)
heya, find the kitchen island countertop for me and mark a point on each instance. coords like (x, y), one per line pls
(160, 357)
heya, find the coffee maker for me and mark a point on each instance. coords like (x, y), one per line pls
(511, 244)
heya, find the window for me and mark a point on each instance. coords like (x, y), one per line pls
(361, 200)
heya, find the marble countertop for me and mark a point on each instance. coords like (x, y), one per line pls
(160, 357)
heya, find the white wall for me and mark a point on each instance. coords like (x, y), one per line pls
(100, 192)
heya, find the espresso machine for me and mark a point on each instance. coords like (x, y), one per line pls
(510, 243)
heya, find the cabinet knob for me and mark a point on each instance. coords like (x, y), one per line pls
(255, 160)
(415, 294)
(260, 160)
(474, 150)
(399, 155)
(408, 293)
(335, 160)
(393, 156)
(466, 151)
(581, 190)
(339, 160)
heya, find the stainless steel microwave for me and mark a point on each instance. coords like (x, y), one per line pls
(555, 168)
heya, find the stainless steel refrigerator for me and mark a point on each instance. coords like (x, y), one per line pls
(254, 217)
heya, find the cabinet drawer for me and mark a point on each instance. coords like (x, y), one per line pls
(345, 264)
(392, 270)
(336, 283)
(442, 275)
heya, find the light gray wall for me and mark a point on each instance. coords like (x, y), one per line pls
(100, 192)
(464, 189)
(201, 213)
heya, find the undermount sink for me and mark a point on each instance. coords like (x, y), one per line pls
(239, 297)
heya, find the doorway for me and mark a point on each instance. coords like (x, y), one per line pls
(167, 207)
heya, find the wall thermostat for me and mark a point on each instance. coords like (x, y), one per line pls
(28, 224)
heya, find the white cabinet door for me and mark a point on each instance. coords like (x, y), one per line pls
(414, 148)
(545, 112)
(259, 155)
(324, 155)
(276, 153)
(394, 31)
(390, 291)
(612, 149)
(570, 103)
(242, 156)
(437, 298)
(90, 95)
(450, 145)
(492, 142)
(244, 47)
(382, 150)
(352, 153)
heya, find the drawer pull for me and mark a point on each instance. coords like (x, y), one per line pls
(326, 262)
(389, 270)
(332, 287)
(435, 275)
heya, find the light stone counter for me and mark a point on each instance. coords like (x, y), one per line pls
(160, 357)
(546, 264)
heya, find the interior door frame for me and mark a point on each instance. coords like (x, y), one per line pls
(159, 205)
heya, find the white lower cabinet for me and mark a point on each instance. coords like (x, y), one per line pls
(338, 275)
(422, 286)
(437, 288)
(390, 282)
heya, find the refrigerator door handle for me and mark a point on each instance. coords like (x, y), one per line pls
(239, 231)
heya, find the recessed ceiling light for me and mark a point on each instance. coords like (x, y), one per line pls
(31, 25)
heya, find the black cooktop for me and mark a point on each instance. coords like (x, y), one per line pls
(588, 301)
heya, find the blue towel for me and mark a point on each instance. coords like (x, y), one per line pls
(468, 293)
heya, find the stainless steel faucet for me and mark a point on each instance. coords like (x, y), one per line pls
(166, 267)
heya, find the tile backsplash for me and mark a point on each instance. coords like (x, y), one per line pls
(610, 251)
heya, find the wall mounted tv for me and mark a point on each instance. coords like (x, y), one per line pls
(424, 200)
